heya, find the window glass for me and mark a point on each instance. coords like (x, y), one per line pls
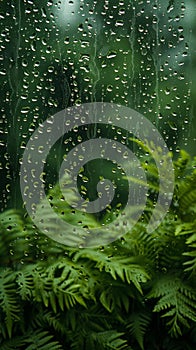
(119, 73)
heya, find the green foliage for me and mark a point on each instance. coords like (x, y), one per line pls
(8, 300)
(176, 300)
(136, 293)
(41, 340)
(137, 325)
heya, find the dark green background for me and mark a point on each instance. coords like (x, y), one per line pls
(60, 53)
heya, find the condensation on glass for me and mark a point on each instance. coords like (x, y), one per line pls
(58, 54)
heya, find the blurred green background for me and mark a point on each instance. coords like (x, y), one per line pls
(56, 54)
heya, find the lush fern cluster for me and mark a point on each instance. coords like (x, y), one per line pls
(136, 293)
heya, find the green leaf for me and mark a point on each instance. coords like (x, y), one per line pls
(9, 302)
(138, 323)
(176, 301)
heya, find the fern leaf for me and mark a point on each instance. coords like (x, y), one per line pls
(189, 228)
(25, 284)
(111, 299)
(13, 343)
(117, 266)
(137, 325)
(9, 302)
(66, 284)
(110, 340)
(42, 340)
(176, 302)
(68, 294)
(191, 263)
(181, 164)
(12, 232)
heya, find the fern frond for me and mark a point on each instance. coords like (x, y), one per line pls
(176, 302)
(189, 229)
(181, 164)
(17, 342)
(67, 283)
(122, 267)
(12, 232)
(137, 325)
(186, 196)
(191, 263)
(46, 318)
(25, 284)
(45, 285)
(9, 302)
(108, 340)
(111, 299)
(41, 340)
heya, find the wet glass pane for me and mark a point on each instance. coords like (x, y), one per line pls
(97, 190)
